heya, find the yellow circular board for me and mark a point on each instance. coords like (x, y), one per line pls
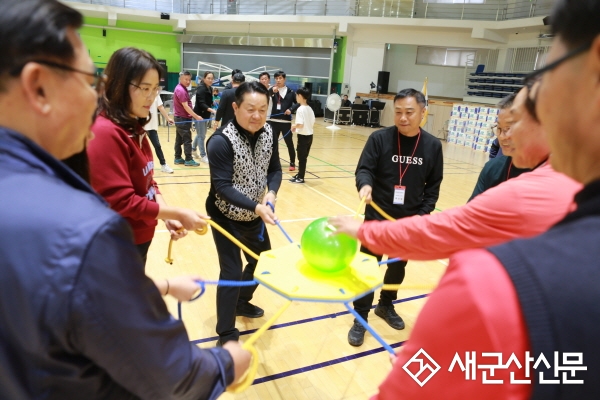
(285, 271)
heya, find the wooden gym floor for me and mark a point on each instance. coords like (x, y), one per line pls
(306, 355)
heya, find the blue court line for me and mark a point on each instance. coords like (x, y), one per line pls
(322, 365)
(303, 321)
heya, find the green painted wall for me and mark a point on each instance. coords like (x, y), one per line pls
(339, 59)
(161, 46)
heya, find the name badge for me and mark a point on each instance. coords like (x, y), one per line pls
(279, 106)
(399, 192)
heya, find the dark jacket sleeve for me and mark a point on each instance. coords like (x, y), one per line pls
(431, 192)
(203, 99)
(119, 320)
(481, 184)
(367, 163)
(494, 148)
(225, 105)
(220, 156)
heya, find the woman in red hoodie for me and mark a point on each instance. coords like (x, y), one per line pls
(121, 160)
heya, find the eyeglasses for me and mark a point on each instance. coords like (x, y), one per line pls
(97, 84)
(148, 92)
(532, 79)
(499, 131)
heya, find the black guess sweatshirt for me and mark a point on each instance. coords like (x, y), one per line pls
(422, 166)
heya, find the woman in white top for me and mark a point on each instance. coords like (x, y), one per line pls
(152, 129)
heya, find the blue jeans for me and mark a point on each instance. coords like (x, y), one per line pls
(201, 127)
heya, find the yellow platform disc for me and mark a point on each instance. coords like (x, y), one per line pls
(285, 271)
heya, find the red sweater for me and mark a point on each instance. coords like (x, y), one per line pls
(122, 173)
(475, 308)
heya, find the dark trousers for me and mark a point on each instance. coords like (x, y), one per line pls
(394, 275)
(143, 250)
(153, 136)
(304, 143)
(230, 262)
(183, 137)
(284, 128)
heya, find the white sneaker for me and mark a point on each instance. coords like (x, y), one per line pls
(204, 159)
(165, 168)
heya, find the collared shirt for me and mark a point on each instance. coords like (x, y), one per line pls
(181, 95)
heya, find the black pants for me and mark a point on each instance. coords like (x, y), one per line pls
(183, 137)
(394, 275)
(153, 136)
(143, 250)
(283, 128)
(304, 143)
(230, 262)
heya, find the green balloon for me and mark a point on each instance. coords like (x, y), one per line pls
(326, 250)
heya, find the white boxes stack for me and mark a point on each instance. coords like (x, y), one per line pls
(471, 126)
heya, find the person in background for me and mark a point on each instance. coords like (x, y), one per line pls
(345, 101)
(500, 168)
(152, 129)
(184, 114)
(283, 100)
(226, 112)
(204, 101)
(90, 323)
(303, 126)
(121, 161)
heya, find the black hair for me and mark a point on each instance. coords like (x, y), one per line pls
(185, 73)
(238, 78)
(418, 96)
(304, 92)
(35, 30)
(236, 71)
(125, 67)
(576, 21)
(250, 87)
(507, 101)
(279, 73)
(264, 73)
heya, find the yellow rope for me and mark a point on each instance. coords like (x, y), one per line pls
(248, 378)
(220, 229)
(360, 206)
(380, 211)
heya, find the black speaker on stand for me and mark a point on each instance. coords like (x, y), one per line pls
(309, 86)
(383, 81)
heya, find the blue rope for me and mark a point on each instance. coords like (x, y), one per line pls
(281, 138)
(371, 331)
(390, 260)
(203, 284)
(213, 119)
(278, 224)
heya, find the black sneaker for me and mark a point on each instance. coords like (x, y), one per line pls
(297, 180)
(390, 316)
(356, 334)
(249, 310)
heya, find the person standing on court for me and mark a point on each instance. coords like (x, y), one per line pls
(79, 319)
(283, 105)
(401, 170)
(182, 104)
(152, 129)
(204, 101)
(245, 175)
(225, 110)
(303, 126)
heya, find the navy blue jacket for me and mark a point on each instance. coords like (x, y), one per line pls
(556, 276)
(78, 316)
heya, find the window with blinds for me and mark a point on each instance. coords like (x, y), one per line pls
(444, 56)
